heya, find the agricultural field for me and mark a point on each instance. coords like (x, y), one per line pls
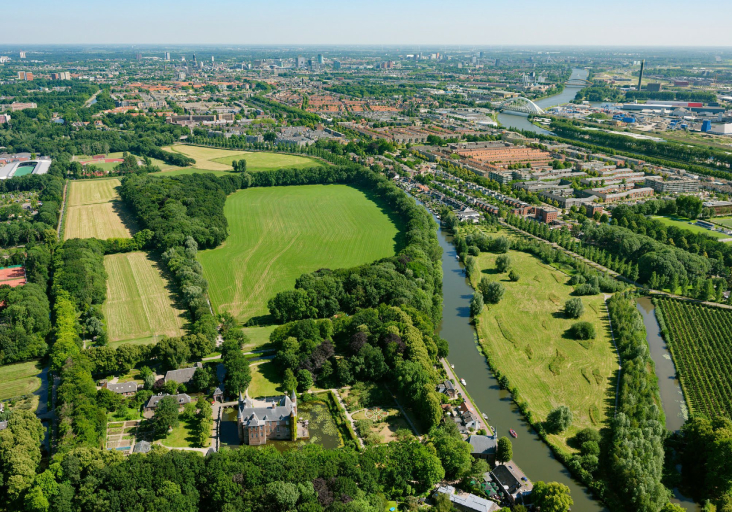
(700, 339)
(276, 234)
(526, 336)
(214, 159)
(684, 223)
(94, 209)
(19, 379)
(140, 307)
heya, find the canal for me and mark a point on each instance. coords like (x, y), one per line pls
(567, 95)
(530, 453)
(672, 398)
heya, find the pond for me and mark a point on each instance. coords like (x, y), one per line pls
(323, 429)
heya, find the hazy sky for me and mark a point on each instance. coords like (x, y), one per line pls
(459, 22)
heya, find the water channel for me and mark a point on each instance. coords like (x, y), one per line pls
(531, 454)
(567, 95)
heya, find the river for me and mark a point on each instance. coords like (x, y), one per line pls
(567, 95)
(531, 454)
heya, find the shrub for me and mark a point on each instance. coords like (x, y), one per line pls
(582, 331)
(493, 292)
(559, 420)
(503, 263)
(473, 250)
(513, 275)
(574, 308)
(586, 289)
(476, 305)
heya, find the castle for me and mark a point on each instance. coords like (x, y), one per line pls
(271, 418)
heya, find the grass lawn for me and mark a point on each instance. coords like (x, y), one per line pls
(684, 223)
(182, 436)
(276, 234)
(189, 170)
(19, 379)
(265, 380)
(261, 161)
(140, 305)
(205, 157)
(258, 337)
(525, 335)
(94, 210)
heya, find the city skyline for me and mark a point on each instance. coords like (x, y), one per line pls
(468, 22)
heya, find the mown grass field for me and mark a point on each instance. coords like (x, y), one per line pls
(265, 380)
(684, 223)
(139, 308)
(214, 159)
(277, 234)
(94, 209)
(525, 335)
(19, 379)
(258, 337)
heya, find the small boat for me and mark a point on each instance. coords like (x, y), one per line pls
(462, 381)
(485, 415)
(513, 433)
(452, 366)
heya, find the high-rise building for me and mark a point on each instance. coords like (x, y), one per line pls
(22, 55)
(336, 64)
(212, 59)
(320, 59)
(301, 62)
(167, 56)
(194, 59)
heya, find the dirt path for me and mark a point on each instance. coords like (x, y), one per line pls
(348, 416)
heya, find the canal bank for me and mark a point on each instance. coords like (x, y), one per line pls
(520, 122)
(529, 451)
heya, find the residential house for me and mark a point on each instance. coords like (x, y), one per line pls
(152, 404)
(468, 502)
(184, 375)
(448, 388)
(483, 447)
(122, 388)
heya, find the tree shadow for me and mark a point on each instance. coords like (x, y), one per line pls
(171, 287)
(125, 215)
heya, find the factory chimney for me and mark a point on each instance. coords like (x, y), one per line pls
(640, 77)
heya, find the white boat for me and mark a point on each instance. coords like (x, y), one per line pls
(452, 366)
(462, 381)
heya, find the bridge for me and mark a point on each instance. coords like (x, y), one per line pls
(520, 104)
(578, 82)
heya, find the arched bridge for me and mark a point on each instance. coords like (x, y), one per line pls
(520, 104)
(578, 82)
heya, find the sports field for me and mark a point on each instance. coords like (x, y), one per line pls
(525, 335)
(19, 379)
(684, 223)
(722, 221)
(139, 307)
(277, 234)
(93, 210)
(213, 159)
